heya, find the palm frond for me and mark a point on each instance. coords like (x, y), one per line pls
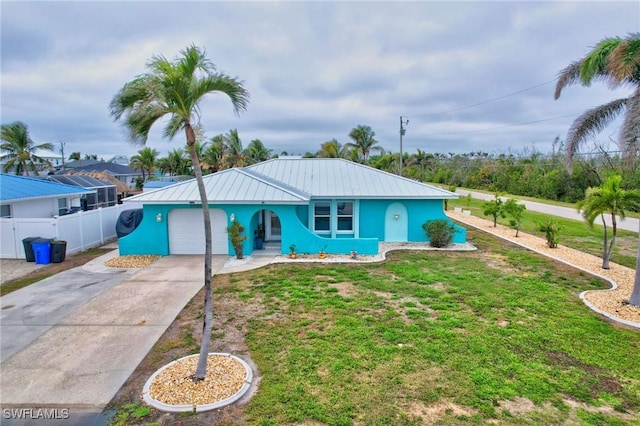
(590, 124)
(131, 94)
(231, 87)
(140, 120)
(176, 123)
(630, 133)
(594, 65)
(568, 76)
(624, 61)
(193, 58)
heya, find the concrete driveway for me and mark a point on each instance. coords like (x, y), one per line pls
(70, 342)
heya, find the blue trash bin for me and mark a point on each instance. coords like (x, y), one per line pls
(42, 252)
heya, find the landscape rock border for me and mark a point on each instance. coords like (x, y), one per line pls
(203, 407)
(479, 224)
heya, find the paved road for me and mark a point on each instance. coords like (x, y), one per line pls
(629, 224)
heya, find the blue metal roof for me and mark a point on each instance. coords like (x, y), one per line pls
(14, 188)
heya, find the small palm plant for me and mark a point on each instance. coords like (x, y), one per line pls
(237, 237)
(609, 199)
(551, 231)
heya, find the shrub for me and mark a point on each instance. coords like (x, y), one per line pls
(494, 209)
(551, 231)
(439, 232)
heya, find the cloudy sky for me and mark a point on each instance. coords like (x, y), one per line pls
(469, 76)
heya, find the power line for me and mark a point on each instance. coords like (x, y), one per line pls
(501, 127)
(488, 101)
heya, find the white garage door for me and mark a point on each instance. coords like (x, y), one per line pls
(186, 231)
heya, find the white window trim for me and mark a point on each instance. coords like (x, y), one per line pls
(333, 218)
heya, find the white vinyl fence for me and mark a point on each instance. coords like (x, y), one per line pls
(81, 230)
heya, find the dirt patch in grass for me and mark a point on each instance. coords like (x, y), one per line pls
(519, 405)
(345, 289)
(434, 413)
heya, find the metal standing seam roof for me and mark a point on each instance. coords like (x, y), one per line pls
(231, 186)
(17, 188)
(338, 178)
(295, 181)
(82, 181)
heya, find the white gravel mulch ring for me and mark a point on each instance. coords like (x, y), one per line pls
(172, 388)
(612, 303)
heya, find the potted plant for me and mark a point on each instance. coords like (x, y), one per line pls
(322, 253)
(259, 234)
(292, 251)
(354, 255)
(235, 231)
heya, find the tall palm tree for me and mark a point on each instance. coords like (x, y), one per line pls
(145, 160)
(234, 155)
(214, 154)
(609, 199)
(615, 61)
(363, 141)
(422, 160)
(257, 152)
(175, 163)
(175, 88)
(332, 149)
(19, 150)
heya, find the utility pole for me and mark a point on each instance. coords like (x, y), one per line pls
(62, 153)
(403, 122)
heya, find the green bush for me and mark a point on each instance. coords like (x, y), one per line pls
(439, 232)
(551, 231)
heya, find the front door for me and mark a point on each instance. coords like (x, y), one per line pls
(272, 229)
(396, 223)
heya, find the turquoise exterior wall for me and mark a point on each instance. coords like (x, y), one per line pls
(152, 237)
(372, 218)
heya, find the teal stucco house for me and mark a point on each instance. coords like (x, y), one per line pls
(315, 204)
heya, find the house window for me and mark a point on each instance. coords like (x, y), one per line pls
(5, 211)
(62, 206)
(345, 215)
(322, 216)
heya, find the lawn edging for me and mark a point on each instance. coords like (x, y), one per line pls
(613, 284)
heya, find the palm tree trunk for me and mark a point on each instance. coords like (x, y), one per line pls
(201, 370)
(635, 293)
(605, 246)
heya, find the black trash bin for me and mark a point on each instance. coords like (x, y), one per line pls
(28, 248)
(58, 251)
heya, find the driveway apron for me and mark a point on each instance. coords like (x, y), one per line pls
(72, 340)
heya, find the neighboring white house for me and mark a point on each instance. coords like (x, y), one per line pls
(25, 197)
(33, 207)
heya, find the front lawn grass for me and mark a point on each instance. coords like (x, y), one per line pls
(575, 234)
(496, 335)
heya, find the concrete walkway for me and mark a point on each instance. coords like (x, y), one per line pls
(70, 342)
